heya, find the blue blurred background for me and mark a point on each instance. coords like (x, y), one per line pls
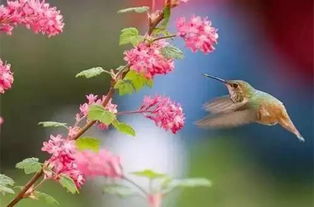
(268, 43)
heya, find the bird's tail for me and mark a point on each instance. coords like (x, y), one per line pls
(288, 124)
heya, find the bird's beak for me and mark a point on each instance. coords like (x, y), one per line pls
(216, 78)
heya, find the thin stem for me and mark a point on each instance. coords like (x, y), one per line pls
(28, 185)
(39, 184)
(136, 185)
(164, 37)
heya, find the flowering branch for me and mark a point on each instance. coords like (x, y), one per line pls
(73, 157)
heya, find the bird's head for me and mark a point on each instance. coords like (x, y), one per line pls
(238, 89)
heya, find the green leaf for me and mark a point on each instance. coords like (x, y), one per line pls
(149, 174)
(124, 87)
(167, 12)
(89, 73)
(5, 182)
(5, 189)
(130, 35)
(99, 113)
(68, 184)
(172, 52)
(52, 124)
(141, 9)
(29, 165)
(161, 31)
(46, 197)
(123, 127)
(88, 143)
(170, 185)
(119, 190)
(132, 81)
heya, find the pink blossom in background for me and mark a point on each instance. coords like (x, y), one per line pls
(6, 77)
(155, 200)
(147, 59)
(36, 15)
(1, 120)
(93, 99)
(62, 159)
(164, 112)
(197, 33)
(102, 163)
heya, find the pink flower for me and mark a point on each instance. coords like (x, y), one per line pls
(147, 59)
(155, 200)
(36, 15)
(102, 163)
(6, 77)
(93, 99)
(197, 33)
(62, 159)
(164, 112)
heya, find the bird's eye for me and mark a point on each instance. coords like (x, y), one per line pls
(235, 85)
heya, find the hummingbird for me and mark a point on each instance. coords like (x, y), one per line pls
(245, 105)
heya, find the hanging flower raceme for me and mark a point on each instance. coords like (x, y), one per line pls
(164, 112)
(146, 58)
(36, 15)
(93, 99)
(62, 160)
(197, 33)
(1, 120)
(6, 77)
(102, 163)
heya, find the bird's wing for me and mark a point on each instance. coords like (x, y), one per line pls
(228, 120)
(223, 105)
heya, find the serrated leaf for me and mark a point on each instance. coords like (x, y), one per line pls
(170, 185)
(68, 184)
(119, 190)
(141, 9)
(88, 143)
(99, 113)
(29, 165)
(150, 174)
(172, 52)
(6, 180)
(89, 73)
(123, 127)
(130, 35)
(166, 12)
(46, 197)
(124, 87)
(52, 124)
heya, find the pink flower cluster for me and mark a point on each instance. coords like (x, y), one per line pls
(93, 99)
(62, 160)
(197, 33)
(6, 77)
(164, 112)
(147, 59)
(102, 163)
(66, 159)
(36, 15)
